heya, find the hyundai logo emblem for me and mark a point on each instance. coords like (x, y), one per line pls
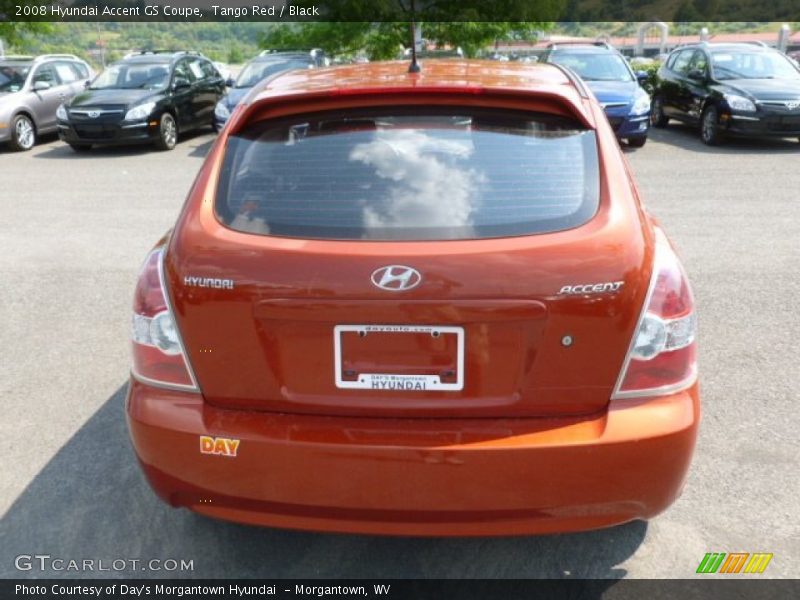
(396, 278)
(93, 114)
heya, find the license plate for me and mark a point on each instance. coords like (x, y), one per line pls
(399, 357)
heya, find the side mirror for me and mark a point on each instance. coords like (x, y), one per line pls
(87, 84)
(641, 76)
(40, 86)
(697, 75)
(230, 82)
(180, 83)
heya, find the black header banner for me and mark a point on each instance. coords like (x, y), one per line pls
(399, 10)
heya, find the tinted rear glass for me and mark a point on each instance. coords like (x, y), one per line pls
(410, 174)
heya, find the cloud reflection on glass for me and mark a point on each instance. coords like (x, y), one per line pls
(429, 188)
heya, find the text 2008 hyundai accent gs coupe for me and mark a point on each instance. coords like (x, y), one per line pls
(416, 303)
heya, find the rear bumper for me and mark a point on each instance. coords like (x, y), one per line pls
(417, 476)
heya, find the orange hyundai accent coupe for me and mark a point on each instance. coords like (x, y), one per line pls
(416, 304)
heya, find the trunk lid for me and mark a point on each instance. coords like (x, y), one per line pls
(270, 342)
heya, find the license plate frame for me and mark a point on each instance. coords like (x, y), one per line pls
(428, 383)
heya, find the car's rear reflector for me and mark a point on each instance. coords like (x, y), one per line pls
(158, 354)
(662, 358)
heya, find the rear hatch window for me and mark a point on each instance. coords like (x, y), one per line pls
(409, 174)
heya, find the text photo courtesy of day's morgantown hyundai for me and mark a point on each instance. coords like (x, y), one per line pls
(399, 297)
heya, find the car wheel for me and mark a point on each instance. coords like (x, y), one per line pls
(709, 132)
(637, 142)
(167, 132)
(23, 134)
(657, 116)
(81, 147)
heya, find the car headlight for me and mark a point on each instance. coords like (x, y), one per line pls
(140, 112)
(740, 103)
(641, 105)
(221, 111)
(61, 113)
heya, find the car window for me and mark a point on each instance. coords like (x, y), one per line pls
(681, 64)
(182, 71)
(409, 174)
(45, 73)
(12, 77)
(257, 70)
(209, 70)
(738, 64)
(80, 69)
(671, 59)
(196, 67)
(133, 75)
(593, 66)
(699, 62)
(65, 72)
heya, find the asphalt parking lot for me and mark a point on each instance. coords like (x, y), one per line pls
(75, 228)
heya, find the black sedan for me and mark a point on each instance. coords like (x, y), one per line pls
(729, 89)
(145, 98)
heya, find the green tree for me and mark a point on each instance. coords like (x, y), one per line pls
(235, 55)
(14, 32)
(473, 37)
(334, 38)
(382, 27)
(686, 12)
(385, 40)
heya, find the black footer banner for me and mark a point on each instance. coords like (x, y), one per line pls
(427, 589)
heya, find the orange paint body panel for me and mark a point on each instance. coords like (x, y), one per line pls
(532, 442)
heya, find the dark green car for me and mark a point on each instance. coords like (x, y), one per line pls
(148, 97)
(729, 89)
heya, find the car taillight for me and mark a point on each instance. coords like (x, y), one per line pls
(662, 358)
(158, 354)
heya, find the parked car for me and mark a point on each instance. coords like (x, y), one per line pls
(729, 89)
(402, 309)
(31, 90)
(617, 87)
(148, 97)
(261, 67)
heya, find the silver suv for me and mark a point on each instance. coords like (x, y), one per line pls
(32, 89)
